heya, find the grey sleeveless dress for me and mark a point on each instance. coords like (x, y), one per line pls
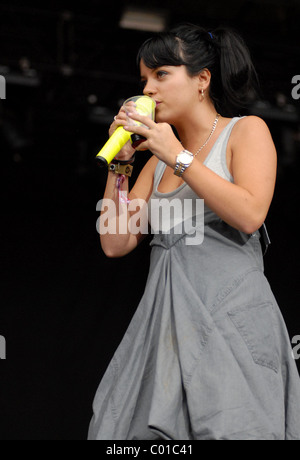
(206, 355)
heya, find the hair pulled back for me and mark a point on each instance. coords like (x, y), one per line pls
(223, 52)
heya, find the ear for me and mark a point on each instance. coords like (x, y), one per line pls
(204, 79)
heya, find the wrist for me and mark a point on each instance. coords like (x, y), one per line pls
(123, 161)
(183, 161)
(123, 170)
(171, 162)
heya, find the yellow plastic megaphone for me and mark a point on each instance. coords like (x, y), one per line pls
(144, 105)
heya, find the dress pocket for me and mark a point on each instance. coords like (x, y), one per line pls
(255, 325)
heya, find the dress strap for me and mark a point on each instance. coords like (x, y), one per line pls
(227, 134)
(159, 170)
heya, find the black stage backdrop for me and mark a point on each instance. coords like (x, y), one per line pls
(64, 305)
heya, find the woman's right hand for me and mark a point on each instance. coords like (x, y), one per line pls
(127, 151)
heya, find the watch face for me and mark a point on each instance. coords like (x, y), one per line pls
(185, 158)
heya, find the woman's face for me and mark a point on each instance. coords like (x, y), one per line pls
(175, 92)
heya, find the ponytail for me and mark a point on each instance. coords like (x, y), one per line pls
(223, 52)
(237, 84)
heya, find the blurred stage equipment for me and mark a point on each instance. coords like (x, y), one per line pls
(144, 19)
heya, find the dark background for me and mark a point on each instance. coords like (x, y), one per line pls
(64, 306)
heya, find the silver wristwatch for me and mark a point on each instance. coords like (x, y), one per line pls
(183, 161)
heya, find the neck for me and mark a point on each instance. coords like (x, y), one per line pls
(196, 127)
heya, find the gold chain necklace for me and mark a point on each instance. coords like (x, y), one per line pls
(210, 136)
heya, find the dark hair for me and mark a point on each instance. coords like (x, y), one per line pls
(223, 52)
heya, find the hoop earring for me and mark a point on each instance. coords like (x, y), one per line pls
(202, 94)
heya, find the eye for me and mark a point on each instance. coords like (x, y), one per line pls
(161, 73)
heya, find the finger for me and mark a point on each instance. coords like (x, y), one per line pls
(119, 120)
(116, 123)
(122, 112)
(141, 130)
(142, 147)
(128, 105)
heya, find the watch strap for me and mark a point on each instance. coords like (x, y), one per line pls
(179, 169)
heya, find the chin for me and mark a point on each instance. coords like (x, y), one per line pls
(165, 116)
(162, 118)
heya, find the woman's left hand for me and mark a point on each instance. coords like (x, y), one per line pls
(160, 139)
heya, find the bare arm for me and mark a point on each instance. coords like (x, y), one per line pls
(120, 242)
(243, 204)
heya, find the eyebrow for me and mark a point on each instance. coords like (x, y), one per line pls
(153, 70)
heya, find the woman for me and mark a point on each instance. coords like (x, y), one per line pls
(207, 355)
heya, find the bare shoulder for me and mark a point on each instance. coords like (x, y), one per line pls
(252, 138)
(251, 126)
(251, 144)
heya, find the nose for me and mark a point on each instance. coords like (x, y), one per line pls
(149, 89)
